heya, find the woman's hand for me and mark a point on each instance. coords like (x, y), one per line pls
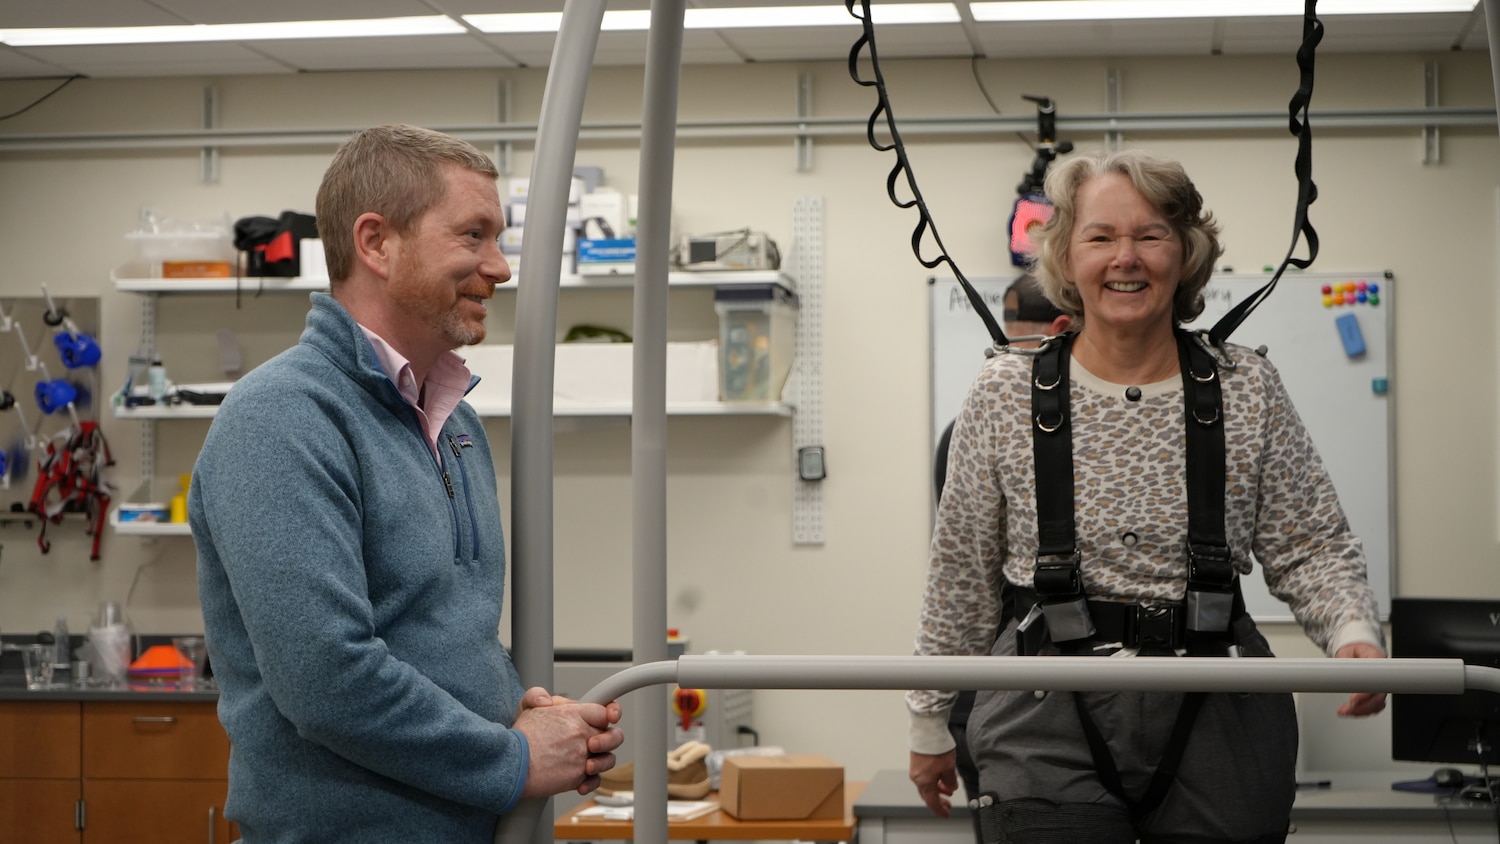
(936, 778)
(1362, 704)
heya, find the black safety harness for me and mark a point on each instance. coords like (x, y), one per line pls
(1201, 624)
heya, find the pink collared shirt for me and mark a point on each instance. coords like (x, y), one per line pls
(435, 398)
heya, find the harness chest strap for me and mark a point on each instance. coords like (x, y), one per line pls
(1211, 580)
(1213, 598)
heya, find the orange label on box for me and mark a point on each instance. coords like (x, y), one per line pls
(195, 269)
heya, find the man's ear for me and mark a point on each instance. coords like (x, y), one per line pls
(374, 243)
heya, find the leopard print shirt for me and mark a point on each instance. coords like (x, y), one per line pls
(1131, 508)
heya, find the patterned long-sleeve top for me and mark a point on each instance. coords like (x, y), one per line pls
(1131, 511)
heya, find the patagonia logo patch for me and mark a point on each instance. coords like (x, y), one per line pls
(464, 441)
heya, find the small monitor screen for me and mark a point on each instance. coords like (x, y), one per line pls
(1446, 729)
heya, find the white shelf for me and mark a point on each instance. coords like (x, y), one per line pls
(147, 528)
(703, 408)
(166, 411)
(726, 278)
(708, 408)
(127, 284)
(219, 285)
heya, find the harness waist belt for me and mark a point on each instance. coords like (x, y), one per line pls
(1132, 625)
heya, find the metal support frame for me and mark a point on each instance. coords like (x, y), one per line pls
(1039, 673)
(209, 156)
(1432, 150)
(532, 386)
(1113, 138)
(807, 421)
(803, 142)
(1058, 673)
(648, 427)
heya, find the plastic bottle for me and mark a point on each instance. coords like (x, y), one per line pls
(156, 376)
(62, 655)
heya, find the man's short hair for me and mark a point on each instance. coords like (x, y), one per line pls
(1032, 304)
(395, 171)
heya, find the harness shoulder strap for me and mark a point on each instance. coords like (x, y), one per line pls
(1211, 576)
(1058, 580)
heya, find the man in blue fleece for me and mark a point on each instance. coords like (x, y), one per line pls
(350, 558)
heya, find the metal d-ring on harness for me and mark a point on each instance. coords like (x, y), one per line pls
(1201, 624)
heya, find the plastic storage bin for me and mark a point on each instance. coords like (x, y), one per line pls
(757, 339)
(185, 254)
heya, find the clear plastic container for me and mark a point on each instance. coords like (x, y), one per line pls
(757, 340)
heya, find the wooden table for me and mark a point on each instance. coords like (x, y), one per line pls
(718, 826)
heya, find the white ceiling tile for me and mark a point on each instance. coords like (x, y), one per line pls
(437, 51)
(14, 65)
(1096, 38)
(28, 14)
(157, 59)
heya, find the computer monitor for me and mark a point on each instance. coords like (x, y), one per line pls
(1446, 729)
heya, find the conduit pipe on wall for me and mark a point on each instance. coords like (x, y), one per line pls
(791, 127)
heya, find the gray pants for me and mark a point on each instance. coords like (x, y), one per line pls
(1236, 781)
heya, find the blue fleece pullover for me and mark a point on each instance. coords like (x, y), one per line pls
(351, 590)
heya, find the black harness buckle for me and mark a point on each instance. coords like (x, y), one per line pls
(1210, 589)
(1154, 628)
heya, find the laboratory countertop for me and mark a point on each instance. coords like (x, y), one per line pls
(1364, 796)
(13, 688)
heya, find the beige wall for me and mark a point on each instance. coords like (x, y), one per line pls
(736, 579)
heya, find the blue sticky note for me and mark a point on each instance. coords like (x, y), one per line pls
(1352, 337)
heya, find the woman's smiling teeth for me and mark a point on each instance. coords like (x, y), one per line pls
(1125, 286)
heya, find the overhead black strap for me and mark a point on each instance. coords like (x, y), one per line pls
(1307, 192)
(903, 167)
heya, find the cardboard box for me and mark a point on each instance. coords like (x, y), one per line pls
(195, 269)
(785, 788)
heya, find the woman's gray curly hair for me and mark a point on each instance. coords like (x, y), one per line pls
(1166, 186)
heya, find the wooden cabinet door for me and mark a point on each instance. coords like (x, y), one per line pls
(153, 740)
(156, 812)
(39, 740)
(39, 810)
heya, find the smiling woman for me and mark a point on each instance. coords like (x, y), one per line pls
(1083, 456)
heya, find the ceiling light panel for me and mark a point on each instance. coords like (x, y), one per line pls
(757, 17)
(199, 33)
(1119, 10)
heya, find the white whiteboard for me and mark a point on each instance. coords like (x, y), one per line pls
(1338, 397)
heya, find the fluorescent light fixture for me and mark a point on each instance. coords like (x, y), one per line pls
(764, 17)
(275, 30)
(1104, 10)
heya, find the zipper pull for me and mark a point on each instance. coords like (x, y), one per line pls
(449, 484)
(454, 446)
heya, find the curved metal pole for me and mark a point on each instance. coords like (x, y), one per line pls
(531, 392)
(648, 432)
(1492, 28)
(1070, 673)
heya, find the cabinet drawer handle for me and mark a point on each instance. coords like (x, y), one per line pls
(210, 825)
(154, 719)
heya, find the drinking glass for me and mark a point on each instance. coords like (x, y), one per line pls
(37, 660)
(195, 651)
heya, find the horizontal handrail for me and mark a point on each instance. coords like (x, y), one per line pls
(1081, 673)
(1033, 673)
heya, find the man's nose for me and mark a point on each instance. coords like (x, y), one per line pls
(494, 266)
